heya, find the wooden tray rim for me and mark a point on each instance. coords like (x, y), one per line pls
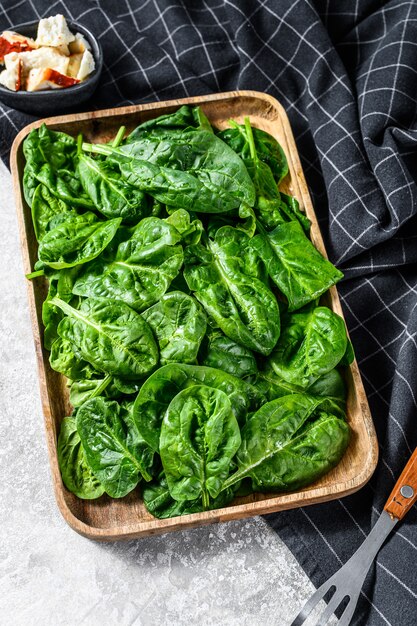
(290, 500)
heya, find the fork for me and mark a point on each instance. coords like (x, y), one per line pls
(348, 580)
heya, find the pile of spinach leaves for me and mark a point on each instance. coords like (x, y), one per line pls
(183, 307)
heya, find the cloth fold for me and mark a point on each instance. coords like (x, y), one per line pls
(346, 73)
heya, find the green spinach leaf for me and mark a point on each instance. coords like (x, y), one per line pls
(65, 184)
(349, 355)
(141, 270)
(289, 443)
(75, 471)
(179, 325)
(163, 385)
(110, 336)
(267, 148)
(199, 437)
(161, 504)
(45, 206)
(329, 385)
(241, 305)
(60, 285)
(311, 344)
(182, 118)
(113, 447)
(42, 146)
(232, 218)
(222, 353)
(294, 264)
(51, 316)
(189, 229)
(191, 169)
(76, 240)
(83, 390)
(267, 166)
(112, 195)
(291, 208)
(63, 359)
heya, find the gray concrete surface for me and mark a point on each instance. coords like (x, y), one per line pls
(230, 574)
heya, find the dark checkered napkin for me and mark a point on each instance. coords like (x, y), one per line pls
(346, 72)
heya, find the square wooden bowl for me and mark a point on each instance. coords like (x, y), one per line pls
(127, 518)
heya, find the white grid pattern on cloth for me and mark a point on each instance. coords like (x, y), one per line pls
(346, 74)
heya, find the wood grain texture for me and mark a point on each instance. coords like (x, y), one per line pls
(107, 519)
(400, 501)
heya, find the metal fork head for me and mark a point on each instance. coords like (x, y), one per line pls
(348, 581)
(340, 594)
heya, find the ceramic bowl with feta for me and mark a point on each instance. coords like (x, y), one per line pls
(48, 66)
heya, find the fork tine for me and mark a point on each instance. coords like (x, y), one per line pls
(349, 611)
(311, 603)
(336, 599)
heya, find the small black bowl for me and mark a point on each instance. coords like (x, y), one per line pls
(55, 101)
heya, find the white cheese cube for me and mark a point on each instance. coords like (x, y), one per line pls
(13, 42)
(11, 77)
(64, 49)
(74, 64)
(54, 31)
(80, 44)
(15, 38)
(87, 65)
(43, 58)
(8, 80)
(40, 79)
(11, 60)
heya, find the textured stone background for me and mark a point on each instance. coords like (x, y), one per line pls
(237, 573)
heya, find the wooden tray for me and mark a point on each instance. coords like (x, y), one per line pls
(107, 519)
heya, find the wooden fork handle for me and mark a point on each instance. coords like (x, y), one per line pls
(404, 493)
